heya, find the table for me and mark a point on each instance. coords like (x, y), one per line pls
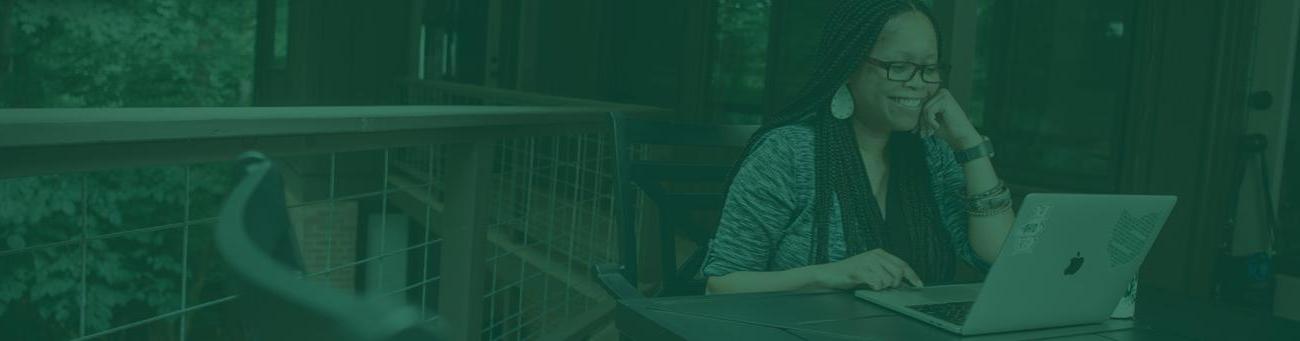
(841, 316)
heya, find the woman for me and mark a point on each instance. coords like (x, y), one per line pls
(857, 184)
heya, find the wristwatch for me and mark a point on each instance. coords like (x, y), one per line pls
(984, 149)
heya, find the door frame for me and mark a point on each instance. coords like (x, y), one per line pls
(1273, 68)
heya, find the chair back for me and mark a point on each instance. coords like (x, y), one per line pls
(258, 244)
(655, 178)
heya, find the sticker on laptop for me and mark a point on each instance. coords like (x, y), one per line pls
(1026, 237)
(1024, 245)
(1041, 211)
(1130, 237)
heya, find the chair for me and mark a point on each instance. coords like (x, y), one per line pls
(255, 239)
(654, 179)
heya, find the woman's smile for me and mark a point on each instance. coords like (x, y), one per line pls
(913, 103)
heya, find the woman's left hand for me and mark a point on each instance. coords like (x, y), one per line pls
(942, 116)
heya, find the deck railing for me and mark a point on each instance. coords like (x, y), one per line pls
(485, 217)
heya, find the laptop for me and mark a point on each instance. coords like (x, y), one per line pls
(1067, 261)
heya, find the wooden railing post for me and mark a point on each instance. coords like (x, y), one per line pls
(465, 220)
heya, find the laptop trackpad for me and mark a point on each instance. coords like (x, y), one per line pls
(927, 295)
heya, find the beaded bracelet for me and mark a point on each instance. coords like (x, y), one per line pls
(989, 207)
(989, 203)
(1001, 187)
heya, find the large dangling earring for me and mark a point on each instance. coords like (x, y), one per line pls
(842, 103)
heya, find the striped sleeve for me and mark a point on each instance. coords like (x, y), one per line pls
(759, 206)
(950, 184)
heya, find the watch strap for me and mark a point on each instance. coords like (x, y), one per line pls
(984, 149)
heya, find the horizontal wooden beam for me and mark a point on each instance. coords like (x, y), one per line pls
(56, 159)
(575, 278)
(583, 325)
(506, 96)
(78, 126)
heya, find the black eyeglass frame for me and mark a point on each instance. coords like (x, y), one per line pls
(940, 70)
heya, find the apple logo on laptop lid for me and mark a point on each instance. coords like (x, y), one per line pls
(1075, 264)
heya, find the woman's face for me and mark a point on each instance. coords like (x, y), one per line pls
(881, 103)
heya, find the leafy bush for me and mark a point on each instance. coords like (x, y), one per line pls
(94, 53)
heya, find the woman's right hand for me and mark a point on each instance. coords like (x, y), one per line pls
(875, 269)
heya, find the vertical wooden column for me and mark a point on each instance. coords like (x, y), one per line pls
(492, 52)
(263, 51)
(527, 46)
(415, 41)
(956, 20)
(464, 241)
(696, 88)
(795, 32)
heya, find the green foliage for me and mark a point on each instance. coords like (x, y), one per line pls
(128, 277)
(740, 64)
(93, 53)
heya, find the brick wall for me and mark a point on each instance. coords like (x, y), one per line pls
(314, 237)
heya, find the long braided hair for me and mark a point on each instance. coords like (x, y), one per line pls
(850, 34)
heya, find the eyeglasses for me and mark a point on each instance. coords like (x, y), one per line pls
(905, 71)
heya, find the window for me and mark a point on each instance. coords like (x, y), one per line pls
(740, 60)
(1051, 79)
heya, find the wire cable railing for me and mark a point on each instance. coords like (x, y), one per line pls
(370, 203)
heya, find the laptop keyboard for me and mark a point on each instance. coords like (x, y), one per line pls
(954, 312)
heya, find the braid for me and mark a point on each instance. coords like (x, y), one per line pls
(849, 35)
